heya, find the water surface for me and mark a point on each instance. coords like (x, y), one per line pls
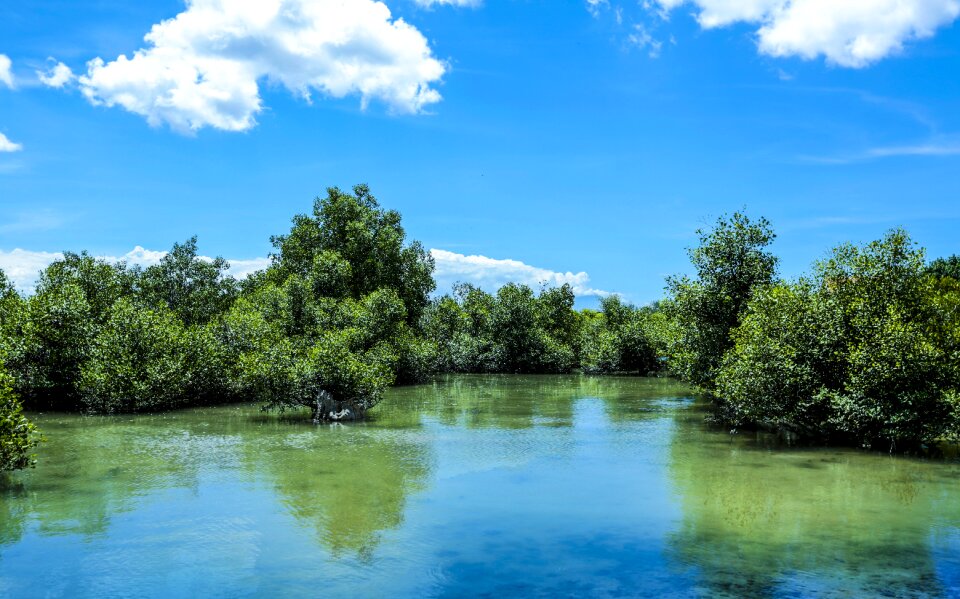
(471, 486)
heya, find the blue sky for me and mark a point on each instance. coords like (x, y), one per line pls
(580, 141)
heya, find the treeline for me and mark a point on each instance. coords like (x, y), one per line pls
(342, 312)
(519, 331)
(865, 350)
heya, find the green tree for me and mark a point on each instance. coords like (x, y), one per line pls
(13, 312)
(73, 301)
(518, 344)
(865, 352)
(334, 356)
(353, 247)
(561, 328)
(731, 262)
(946, 267)
(623, 338)
(145, 359)
(196, 290)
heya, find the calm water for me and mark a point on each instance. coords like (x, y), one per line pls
(473, 486)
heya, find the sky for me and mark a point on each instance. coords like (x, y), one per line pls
(580, 141)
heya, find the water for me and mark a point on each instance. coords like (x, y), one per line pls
(472, 486)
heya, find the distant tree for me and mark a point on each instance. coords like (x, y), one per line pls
(732, 262)
(518, 344)
(196, 290)
(946, 267)
(561, 328)
(623, 338)
(514, 331)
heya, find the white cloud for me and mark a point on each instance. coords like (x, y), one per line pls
(470, 3)
(23, 266)
(491, 274)
(595, 6)
(928, 149)
(240, 269)
(6, 76)
(642, 39)
(849, 33)
(57, 75)
(204, 67)
(138, 255)
(8, 146)
(938, 146)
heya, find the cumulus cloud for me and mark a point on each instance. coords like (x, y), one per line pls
(492, 273)
(6, 75)
(23, 267)
(58, 76)
(205, 66)
(240, 269)
(8, 146)
(849, 33)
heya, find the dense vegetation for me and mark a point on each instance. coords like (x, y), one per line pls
(864, 350)
(518, 331)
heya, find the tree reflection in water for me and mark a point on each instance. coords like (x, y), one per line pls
(765, 522)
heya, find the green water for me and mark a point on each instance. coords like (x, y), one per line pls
(472, 486)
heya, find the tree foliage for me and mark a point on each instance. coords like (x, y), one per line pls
(731, 263)
(146, 359)
(72, 302)
(196, 290)
(513, 331)
(625, 339)
(351, 247)
(18, 436)
(867, 350)
(946, 267)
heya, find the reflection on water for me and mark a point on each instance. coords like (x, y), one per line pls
(347, 487)
(497, 486)
(815, 522)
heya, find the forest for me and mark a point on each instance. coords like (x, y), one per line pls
(864, 350)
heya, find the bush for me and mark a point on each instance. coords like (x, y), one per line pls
(17, 434)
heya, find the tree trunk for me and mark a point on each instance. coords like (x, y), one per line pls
(325, 408)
